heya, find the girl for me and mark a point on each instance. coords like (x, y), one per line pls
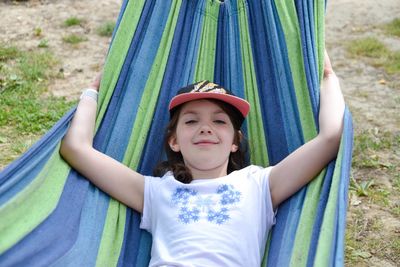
(207, 209)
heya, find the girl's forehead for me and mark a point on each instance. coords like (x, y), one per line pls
(201, 106)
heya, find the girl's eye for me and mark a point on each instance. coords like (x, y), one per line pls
(190, 122)
(220, 122)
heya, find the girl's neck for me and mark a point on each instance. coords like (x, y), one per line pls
(208, 174)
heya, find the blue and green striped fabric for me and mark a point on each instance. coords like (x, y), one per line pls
(269, 52)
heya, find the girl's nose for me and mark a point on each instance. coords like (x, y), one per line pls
(205, 129)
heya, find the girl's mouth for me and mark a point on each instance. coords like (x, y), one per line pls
(205, 142)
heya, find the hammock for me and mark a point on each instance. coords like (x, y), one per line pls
(270, 52)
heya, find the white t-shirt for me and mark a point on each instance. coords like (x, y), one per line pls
(210, 222)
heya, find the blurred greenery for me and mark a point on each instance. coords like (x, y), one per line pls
(26, 109)
(106, 29)
(72, 21)
(74, 38)
(393, 27)
(377, 53)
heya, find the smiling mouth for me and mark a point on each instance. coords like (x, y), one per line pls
(205, 143)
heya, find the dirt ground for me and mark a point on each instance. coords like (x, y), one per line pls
(373, 98)
(78, 63)
(372, 95)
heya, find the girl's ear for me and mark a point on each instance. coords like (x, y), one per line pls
(173, 144)
(235, 147)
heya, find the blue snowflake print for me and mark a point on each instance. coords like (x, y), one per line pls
(223, 188)
(182, 195)
(218, 217)
(189, 215)
(229, 195)
(212, 207)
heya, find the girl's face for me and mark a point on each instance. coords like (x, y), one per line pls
(204, 135)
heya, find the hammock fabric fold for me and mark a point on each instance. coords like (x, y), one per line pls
(270, 52)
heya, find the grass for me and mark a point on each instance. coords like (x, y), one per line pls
(106, 29)
(73, 21)
(377, 52)
(8, 52)
(375, 155)
(367, 47)
(396, 182)
(392, 65)
(44, 43)
(362, 189)
(363, 241)
(37, 32)
(74, 39)
(380, 196)
(393, 27)
(355, 252)
(370, 144)
(374, 193)
(25, 112)
(396, 187)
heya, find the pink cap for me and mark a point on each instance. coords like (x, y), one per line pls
(208, 90)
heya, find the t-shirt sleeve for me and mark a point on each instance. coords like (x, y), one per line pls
(147, 203)
(262, 175)
(265, 173)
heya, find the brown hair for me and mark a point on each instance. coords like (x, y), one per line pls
(175, 163)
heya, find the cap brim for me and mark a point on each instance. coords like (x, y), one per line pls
(240, 104)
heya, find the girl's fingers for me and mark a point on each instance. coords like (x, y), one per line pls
(327, 65)
(96, 83)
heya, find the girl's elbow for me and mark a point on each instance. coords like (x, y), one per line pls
(331, 143)
(333, 138)
(70, 150)
(67, 149)
(331, 134)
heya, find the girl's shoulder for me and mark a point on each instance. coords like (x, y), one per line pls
(255, 169)
(167, 178)
(254, 173)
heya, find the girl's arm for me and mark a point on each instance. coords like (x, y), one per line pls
(106, 173)
(301, 166)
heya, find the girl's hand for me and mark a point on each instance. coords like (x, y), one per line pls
(332, 103)
(96, 82)
(327, 65)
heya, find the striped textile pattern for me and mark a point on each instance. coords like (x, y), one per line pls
(267, 51)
